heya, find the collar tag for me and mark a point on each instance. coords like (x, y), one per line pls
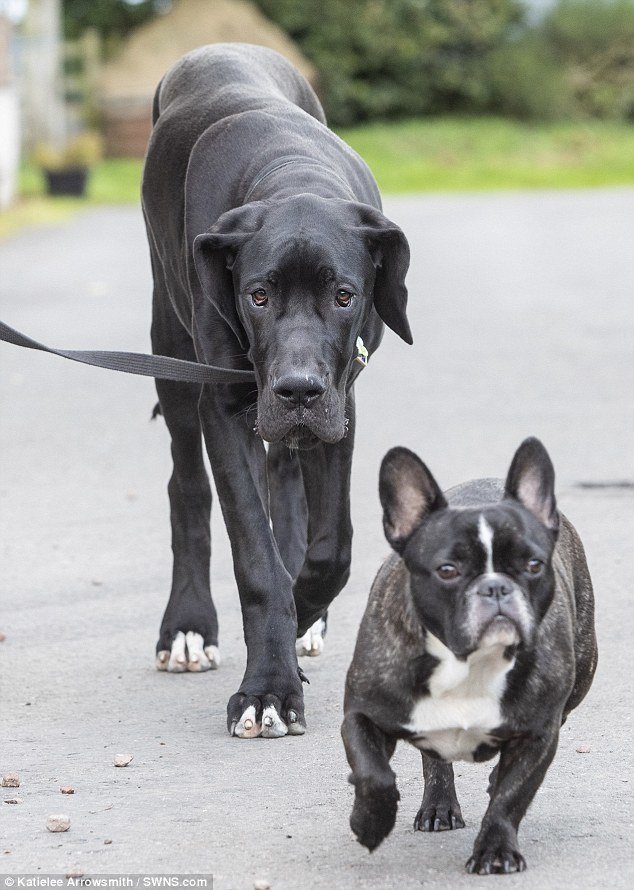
(362, 355)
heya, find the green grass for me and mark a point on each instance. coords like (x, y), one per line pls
(113, 181)
(432, 155)
(452, 154)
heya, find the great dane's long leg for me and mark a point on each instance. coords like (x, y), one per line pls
(289, 518)
(439, 810)
(189, 631)
(269, 701)
(326, 470)
(289, 513)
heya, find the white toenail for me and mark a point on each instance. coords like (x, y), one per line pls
(213, 654)
(248, 724)
(274, 726)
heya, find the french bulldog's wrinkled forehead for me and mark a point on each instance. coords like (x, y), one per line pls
(478, 534)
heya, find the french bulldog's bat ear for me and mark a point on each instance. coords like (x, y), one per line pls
(214, 253)
(390, 254)
(531, 481)
(408, 493)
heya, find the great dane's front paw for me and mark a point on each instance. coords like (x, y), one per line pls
(267, 716)
(187, 653)
(312, 643)
(496, 853)
(438, 815)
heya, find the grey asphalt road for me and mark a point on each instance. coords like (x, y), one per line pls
(522, 307)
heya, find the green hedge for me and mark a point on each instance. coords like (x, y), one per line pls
(394, 58)
(391, 58)
(386, 59)
(594, 41)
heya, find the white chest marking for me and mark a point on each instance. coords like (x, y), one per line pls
(485, 533)
(463, 705)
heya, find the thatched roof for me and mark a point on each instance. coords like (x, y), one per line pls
(153, 48)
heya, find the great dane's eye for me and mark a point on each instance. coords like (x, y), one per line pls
(343, 297)
(534, 566)
(259, 297)
(447, 572)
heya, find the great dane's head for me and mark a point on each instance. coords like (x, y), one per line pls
(297, 281)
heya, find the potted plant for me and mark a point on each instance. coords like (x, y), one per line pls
(66, 168)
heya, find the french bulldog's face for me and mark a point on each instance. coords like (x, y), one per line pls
(479, 576)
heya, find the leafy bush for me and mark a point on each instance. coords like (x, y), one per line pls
(113, 19)
(396, 58)
(390, 58)
(405, 58)
(83, 150)
(525, 81)
(594, 41)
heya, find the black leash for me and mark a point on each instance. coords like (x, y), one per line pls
(160, 366)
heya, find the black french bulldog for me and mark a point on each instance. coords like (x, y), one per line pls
(478, 638)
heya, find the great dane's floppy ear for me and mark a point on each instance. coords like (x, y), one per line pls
(390, 254)
(531, 481)
(408, 493)
(214, 253)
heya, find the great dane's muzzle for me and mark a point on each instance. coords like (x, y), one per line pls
(301, 407)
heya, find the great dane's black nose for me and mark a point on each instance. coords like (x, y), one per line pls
(299, 389)
(496, 588)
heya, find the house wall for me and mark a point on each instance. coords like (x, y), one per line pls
(9, 120)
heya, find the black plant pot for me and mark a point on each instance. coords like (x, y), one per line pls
(67, 182)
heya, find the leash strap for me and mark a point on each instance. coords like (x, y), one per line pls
(159, 366)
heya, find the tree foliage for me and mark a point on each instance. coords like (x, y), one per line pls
(404, 58)
(113, 19)
(390, 58)
(594, 39)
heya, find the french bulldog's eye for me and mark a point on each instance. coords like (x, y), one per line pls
(343, 297)
(259, 297)
(534, 566)
(447, 572)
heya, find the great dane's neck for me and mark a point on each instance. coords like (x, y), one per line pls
(296, 175)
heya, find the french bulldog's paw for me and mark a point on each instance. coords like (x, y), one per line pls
(188, 653)
(439, 815)
(312, 643)
(373, 815)
(265, 716)
(497, 859)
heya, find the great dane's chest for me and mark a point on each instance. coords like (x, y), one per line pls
(464, 702)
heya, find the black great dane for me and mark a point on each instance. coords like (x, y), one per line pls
(269, 253)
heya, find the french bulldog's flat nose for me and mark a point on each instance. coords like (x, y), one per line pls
(498, 588)
(299, 389)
